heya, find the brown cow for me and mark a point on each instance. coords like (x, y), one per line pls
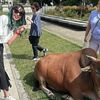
(63, 72)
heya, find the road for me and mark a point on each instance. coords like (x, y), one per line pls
(75, 36)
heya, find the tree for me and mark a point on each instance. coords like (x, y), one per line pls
(64, 2)
(45, 1)
(31, 1)
(23, 1)
(94, 2)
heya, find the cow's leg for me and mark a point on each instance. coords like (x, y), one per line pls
(47, 91)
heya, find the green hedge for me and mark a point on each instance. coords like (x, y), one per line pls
(71, 11)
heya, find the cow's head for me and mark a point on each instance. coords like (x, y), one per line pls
(84, 60)
(95, 72)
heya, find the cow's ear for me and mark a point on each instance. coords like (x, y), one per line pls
(84, 61)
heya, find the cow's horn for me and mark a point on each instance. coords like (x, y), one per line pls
(91, 57)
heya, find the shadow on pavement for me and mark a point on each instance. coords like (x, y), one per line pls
(1, 99)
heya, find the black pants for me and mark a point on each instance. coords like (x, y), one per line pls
(4, 79)
(34, 40)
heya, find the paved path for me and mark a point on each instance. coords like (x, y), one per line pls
(13, 90)
(17, 89)
(75, 36)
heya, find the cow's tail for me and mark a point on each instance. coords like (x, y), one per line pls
(35, 80)
(36, 85)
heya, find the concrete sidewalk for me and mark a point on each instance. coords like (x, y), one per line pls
(17, 89)
(72, 35)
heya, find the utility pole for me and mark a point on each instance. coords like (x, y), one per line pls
(52, 3)
(82, 7)
(10, 4)
(27, 2)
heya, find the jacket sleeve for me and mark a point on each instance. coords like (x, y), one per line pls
(5, 32)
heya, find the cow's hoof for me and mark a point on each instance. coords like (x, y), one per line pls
(66, 97)
(52, 97)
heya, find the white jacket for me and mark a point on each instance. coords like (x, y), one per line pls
(5, 32)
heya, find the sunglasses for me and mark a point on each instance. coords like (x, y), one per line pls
(33, 7)
(16, 11)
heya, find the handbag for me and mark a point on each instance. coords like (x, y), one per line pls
(86, 44)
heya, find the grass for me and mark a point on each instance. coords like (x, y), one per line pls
(22, 55)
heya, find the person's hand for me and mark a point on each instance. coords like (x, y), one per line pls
(21, 29)
(29, 19)
(85, 39)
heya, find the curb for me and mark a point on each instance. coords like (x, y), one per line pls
(67, 22)
(20, 88)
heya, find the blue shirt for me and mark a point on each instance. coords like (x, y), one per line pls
(36, 25)
(93, 19)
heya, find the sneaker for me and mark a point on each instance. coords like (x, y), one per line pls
(9, 98)
(35, 59)
(45, 51)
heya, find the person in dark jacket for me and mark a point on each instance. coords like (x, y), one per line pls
(35, 31)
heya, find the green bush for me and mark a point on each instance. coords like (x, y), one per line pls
(70, 13)
(77, 12)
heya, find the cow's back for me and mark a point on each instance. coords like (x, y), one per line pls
(55, 67)
(63, 72)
